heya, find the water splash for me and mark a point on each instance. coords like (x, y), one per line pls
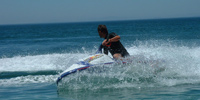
(176, 65)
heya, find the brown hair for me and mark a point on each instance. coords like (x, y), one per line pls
(103, 29)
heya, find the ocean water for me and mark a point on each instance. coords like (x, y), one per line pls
(33, 56)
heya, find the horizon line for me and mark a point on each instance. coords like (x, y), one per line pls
(97, 21)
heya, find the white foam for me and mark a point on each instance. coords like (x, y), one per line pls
(38, 62)
(182, 63)
(182, 66)
(28, 79)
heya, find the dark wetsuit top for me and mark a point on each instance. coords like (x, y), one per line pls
(115, 47)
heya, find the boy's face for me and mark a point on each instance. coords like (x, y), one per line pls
(101, 34)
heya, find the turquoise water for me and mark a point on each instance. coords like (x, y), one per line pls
(32, 56)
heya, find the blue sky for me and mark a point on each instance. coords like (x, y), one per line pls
(55, 11)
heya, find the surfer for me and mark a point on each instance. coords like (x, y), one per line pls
(112, 43)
